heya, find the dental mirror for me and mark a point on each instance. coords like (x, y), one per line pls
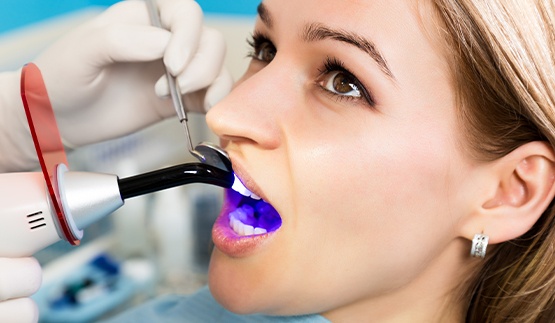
(205, 152)
(214, 155)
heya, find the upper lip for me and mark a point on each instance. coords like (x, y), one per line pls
(246, 179)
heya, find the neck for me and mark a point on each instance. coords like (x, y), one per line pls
(432, 296)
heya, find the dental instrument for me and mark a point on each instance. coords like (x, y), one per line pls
(205, 152)
(41, 208)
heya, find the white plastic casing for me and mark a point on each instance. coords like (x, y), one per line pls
(26, 215)
(28, 221)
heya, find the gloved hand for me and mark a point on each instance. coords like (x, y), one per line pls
(19, 278)
(102, 76)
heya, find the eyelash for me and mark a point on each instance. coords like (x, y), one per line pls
(257, 41)
(333, 64)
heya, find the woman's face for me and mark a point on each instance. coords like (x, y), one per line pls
(345, 123)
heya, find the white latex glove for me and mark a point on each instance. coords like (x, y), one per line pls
(101, 76)
(16, 145)
(19, 279)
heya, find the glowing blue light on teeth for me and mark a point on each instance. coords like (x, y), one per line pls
(250, 211)
(240, 188)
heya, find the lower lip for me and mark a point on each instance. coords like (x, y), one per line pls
(232, 244)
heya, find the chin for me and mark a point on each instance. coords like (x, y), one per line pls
(231, 302)
(242, 288)
(234, 292)
(246, 290)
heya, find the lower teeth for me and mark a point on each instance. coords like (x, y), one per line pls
(244, 229)
(251, 217)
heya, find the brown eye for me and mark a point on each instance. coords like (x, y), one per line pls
(265, 52)
(341, 83)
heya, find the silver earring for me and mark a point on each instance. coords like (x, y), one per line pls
(479, 245)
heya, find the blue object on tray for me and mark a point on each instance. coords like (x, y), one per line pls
(89, 292)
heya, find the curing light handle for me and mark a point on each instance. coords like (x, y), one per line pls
(29, 222)
(174, 176)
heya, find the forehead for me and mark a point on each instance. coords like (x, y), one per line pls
(406, 31)
(348, 13)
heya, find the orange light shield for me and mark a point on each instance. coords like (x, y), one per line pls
(46, 137)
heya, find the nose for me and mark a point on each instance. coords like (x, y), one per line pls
(253, 111)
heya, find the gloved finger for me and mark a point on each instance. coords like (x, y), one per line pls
(220, 88)
(20, 310)
(125, 43)
(129, 11)
(19, 277)
(203, 70)
(185, 21)
(207, 63)
(161, 88)
(202, 100)
(183, 18)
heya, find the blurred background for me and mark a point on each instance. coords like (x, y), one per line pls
(155, 244)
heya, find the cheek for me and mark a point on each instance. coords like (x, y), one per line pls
(370, 205)
(373, 196)
(388, 173)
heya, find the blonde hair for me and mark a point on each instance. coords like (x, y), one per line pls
(504, 73)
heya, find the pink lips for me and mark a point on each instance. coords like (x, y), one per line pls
(229, 242)
(225, 239)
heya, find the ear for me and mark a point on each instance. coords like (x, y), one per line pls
(523, 188)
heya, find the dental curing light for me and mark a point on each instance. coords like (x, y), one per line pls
(41, 208)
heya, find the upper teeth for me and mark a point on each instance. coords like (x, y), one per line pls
(240, 188)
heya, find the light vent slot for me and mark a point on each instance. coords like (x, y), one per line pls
(36, 220)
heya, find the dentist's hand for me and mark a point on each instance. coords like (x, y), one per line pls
(101, 77)
(19, 279)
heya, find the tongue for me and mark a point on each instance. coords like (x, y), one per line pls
(255, 212)
(268, 217)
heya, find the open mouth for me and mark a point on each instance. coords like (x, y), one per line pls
(249, 214)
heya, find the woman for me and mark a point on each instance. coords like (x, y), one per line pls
(386, 136)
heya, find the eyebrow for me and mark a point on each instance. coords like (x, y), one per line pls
(317, 32)
(264, 15)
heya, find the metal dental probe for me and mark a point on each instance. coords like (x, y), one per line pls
(205, 152)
